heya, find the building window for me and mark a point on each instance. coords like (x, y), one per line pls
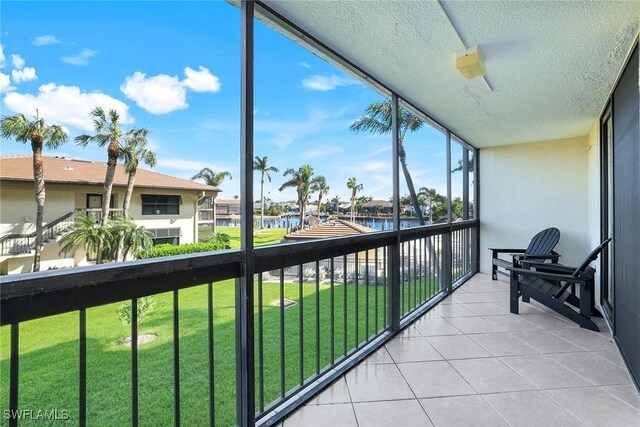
(170, 240)
(160, 236)
(160, 205)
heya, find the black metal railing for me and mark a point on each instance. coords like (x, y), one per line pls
(319, 307)
(17, 244)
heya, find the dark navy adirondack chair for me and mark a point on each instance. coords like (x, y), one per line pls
(539, 250)
(553, 285)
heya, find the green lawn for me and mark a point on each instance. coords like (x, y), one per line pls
(49, 353)
(266, 236)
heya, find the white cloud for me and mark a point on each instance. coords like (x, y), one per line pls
(24, 75)
(159, 94)
(65, 105)
(322, 151)
(175, 163)
(284, 132)
(326, 83)
(80, 59)
(304, 64)
(45, 40)
(5, 84)
(18, 62)
(2, 58)
(201, 81)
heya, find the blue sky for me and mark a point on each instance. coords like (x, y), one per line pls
(174, 68)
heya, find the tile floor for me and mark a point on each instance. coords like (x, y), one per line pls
(469, 362)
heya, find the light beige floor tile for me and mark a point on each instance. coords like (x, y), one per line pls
(589, 340)
(486, 308)
(340, 414)
(612, 356)
(379, 357)
(503, 344)
(335, 393)
(461, 411)
(546, 342)
(490, 375)
(433, 327)
(594, 368)
(548, 321)
(377, 382)
(412, 350)
(434, 379)
(530, 409)
(479, 297)
(543, 372)
(406, 413)
(595, 407)
(475, 325)
(512, 322)
(410, 331)
(627, 393)
(452, 310)
(458, 347)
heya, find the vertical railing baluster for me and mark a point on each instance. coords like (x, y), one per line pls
(210, 336)
(366, 302)
(402, 292)
(134, 362)
(415, 274)
(282, 355)
(344, 288)
(376, 298)
(386, 286)
(301, 323)
(333, 313)
(82, 369)
(14, 375)
(317, 317)
(357, 302)
(176, 360)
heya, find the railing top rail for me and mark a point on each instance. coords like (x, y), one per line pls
(46, 293)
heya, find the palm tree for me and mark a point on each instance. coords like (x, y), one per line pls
(336, 203)
(210, 177)
(430, 195)
(87, 235)
(352, 184)
(135, 150)
(40, 134)
(108, 132)
(129, 237)
(321, 187)
(378, 119)
(260, 164)
(301, 181)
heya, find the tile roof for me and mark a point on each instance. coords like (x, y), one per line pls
(331, 228)
(71, 171)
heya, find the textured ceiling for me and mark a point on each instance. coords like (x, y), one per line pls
(552, 64)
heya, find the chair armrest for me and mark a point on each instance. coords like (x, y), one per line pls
(498, 251)
(548, 276)
(541, 266)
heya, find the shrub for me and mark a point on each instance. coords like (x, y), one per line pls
(145, 307)
(168, 249)
(309, 274)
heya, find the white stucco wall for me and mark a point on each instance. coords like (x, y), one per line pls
(525, 188)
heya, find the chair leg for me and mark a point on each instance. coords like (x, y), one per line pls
(494, 268)
(513, 291)
(525, 298)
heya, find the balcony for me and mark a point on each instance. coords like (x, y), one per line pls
(468, 361)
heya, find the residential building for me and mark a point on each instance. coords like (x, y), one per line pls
(165, 205)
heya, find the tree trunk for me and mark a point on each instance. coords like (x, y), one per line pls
(319, 203)
(38, 181)
(129, 192)
(407, 176)
(114, 152)
(302, 205)
(262, 201)
(430, 211)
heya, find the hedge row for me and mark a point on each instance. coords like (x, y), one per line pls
(168, 249)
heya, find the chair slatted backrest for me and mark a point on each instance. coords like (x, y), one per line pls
(543, 243)
(590, 258)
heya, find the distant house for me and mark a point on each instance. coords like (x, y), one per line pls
(163, 204)
(228, 207)
(376, 207)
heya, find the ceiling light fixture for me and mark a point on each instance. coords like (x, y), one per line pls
(469, 63)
